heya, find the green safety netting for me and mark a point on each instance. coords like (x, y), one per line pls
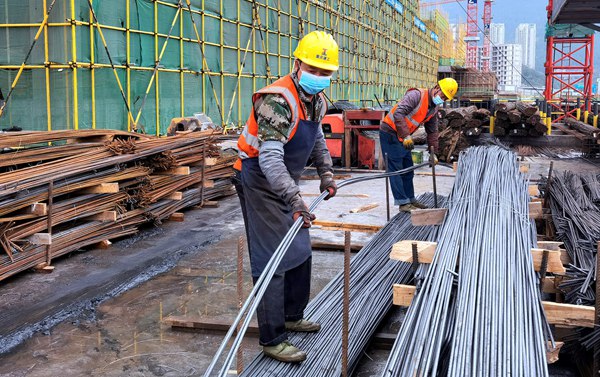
(374, 59)
(567, 31)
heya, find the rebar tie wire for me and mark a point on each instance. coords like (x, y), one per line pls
(260, 287)
(22, 67)
(114, 69)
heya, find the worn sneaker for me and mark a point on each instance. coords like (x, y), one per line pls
(302, 325)
(419, 205)
(285, 352)
(407, 207)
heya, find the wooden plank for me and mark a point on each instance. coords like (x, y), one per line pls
(177, 195)
(402, 251)
(104, 244)
(549, 245)
(180, 170)
(434, 216)
(43, 268)
(211, 324)
(454, 166)
(104, 216)
(210, 204)
(565, 257)
(103, 188)
(210, 161)
(30, 212)
(40, 239)
(364, 208)
(350, 227)
(535, 210)
(39, 209)
(557, 314)
(555, 264)
(403, 294)
(533, 190)
(569, 315)
(332, 246)
(524, 167)
(552, 352)
(208, 183)
(551, 284)
(177, 216)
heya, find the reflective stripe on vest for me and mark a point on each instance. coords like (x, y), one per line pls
(416, 117)
(248, 142)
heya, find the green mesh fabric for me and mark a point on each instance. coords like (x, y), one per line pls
(247, 44)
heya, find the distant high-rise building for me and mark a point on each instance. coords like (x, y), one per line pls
(525, 36)
(497, 34)
(507, 60)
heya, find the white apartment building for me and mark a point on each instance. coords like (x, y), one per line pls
(507, 61)
(525, 35)
(497, 34)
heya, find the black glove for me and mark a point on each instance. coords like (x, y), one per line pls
(327, 183)
(299, 208)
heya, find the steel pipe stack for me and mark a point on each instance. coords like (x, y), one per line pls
(371, 278)
(478, 311)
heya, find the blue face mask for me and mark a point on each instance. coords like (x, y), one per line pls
(438, 100)
(313, 84)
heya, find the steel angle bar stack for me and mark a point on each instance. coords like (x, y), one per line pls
(478, 311)
(372, 274)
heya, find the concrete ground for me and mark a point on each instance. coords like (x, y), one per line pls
(100, 313)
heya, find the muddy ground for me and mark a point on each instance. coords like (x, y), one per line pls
(101, 312)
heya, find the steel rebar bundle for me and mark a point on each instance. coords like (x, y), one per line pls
(478, 311)
(575, 204)
(372, 275)
(150, 178)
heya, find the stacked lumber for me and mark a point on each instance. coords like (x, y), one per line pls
(63, 190)
(456, 125)
(590, 131)
(518, 119)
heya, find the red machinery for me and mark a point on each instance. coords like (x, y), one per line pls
(346, 141)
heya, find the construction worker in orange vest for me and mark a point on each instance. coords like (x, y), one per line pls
(419, 106)
(282, 133)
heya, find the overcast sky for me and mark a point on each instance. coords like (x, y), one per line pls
(512, 13)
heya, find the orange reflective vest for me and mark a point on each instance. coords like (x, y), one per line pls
(248, 142)
(416, 117)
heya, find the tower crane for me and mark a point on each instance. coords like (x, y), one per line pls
(472, 37)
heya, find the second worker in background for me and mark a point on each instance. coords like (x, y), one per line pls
(419, 106)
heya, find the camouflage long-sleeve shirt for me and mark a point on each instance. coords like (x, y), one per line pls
(274, 119)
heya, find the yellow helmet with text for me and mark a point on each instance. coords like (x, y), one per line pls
(449, 87)
(318, 49)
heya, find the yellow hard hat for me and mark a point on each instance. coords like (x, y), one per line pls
(318, 49)
(449, 87)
